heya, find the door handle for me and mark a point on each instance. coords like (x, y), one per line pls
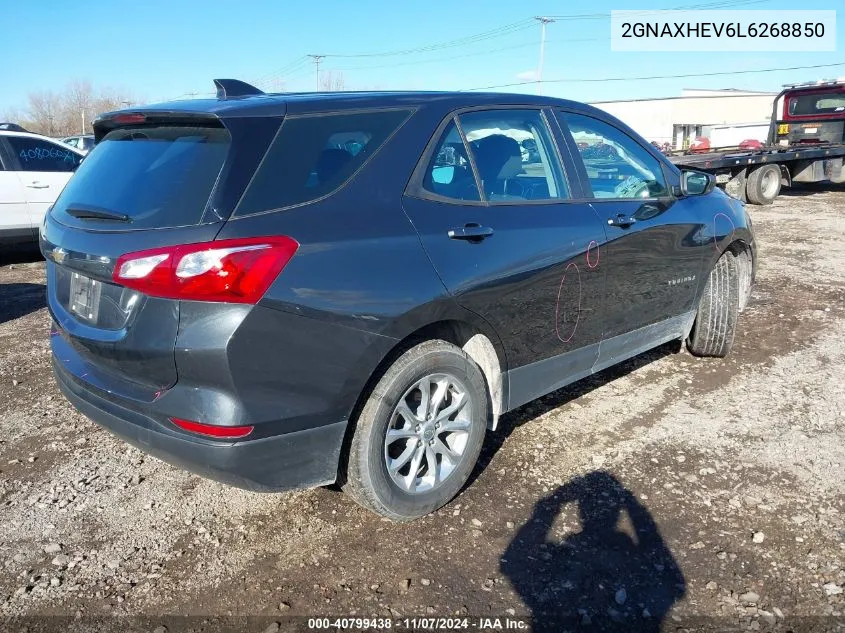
(472, 232)
(622, 221)
(38, 185)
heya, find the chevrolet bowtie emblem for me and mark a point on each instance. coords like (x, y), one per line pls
(59, 255)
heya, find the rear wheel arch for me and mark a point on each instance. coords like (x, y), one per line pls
(478, 345)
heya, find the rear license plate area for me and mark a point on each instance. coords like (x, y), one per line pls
(85, 297)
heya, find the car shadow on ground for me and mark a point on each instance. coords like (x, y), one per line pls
(617, 573)
(20, 299)
(20, 254)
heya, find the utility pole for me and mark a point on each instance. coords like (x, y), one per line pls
(543, 22)
(83, 122)
(317, 59)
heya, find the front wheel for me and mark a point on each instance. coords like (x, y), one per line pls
(718, 310)
(419, 434)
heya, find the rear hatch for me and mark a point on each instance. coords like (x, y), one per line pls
(153, 180)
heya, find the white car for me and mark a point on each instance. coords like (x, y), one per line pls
(33, 171)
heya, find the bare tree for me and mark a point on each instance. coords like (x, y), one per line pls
(44, 112)
(70, 112)
(332, 81)
(12, 115)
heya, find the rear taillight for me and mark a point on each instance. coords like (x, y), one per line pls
(213, 430)
(230, 271)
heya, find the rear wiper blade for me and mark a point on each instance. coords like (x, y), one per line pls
(90, 213)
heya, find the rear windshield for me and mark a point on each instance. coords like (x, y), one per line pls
(818, 103)
(312, 156)
(158, 176)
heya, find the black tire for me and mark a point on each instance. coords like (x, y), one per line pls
(763, 185)
(367, 479)
(714, 328)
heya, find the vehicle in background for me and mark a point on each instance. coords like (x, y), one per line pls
(806, 143)
(82, 142)
(33, 171)
(286, 290)
(12, 127)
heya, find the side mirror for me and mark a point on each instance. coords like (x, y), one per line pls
(696, 183)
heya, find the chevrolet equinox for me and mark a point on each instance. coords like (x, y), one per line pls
(289, 290)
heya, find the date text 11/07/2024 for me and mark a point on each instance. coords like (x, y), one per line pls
(420, 624)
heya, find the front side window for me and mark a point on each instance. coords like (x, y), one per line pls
(617, 165)
(35, 154)
(312, 156)
(514, 155)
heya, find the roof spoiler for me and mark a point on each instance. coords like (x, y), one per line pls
(227, 88)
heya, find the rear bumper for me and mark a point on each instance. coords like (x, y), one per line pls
(299, 459)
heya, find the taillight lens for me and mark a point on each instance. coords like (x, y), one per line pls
(230, 271)
(213, 430)
(128, 118)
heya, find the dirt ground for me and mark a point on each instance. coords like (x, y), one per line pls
(671, 493)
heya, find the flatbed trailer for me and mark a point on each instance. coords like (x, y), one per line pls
(806, 143)
(743, 173)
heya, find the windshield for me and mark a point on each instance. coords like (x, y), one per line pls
(157, 176)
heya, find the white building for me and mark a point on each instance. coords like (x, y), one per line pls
(726, 117)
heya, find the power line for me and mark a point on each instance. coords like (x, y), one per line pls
(295, 66)
(451, 58)
(301, 62)
(718, 4)
(628, 78)
(507, 29)
(298, 64)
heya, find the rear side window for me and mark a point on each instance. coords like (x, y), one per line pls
(312, 156)
(514, 155)
(35, 154)
(159, 176)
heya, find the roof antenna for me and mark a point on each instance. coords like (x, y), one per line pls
(227, 88)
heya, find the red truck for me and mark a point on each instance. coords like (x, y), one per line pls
(806, 143)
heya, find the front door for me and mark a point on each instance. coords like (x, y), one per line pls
(493, 206)
(44, 168)
(653, 256)
(14, 217)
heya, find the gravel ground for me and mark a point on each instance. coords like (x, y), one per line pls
(668, 493)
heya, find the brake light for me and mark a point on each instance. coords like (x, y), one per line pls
(230, 271)
(129, 118)
(213, 430)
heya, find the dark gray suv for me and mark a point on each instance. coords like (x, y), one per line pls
(290, 290)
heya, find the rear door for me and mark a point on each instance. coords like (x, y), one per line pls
(44, 168)
(654, 252)
(156, 182)
(499, 217)
(14, 216)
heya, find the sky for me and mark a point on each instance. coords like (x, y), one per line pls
(160, 50)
